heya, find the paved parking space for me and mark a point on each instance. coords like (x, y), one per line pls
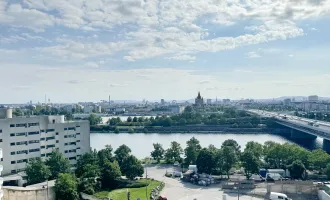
(177, 190)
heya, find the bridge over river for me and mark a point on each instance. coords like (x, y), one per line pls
(301, 128)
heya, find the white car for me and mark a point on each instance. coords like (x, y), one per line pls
(276, 196)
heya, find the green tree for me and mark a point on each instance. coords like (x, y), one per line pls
(319, 159)
(250, 162)
(132, 167)
(173, 153)
(158, 152)
(229, 158)
(17, 112)
(188, 109)
(121, 153)
(105, 154)
(140, 119)
(135, 119)
(57, 164)
(129, 119)
(90, 158)
(192, 150)
(66, 187)
(109, 173)
(327, 170)
(94, 120)
(297, 169)
(36, 171)
(130, 130)
(205, 161)
(232, 143)
(255, 147)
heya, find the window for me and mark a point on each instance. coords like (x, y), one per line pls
(48, 154)
(42, 139)
(50, 130)
(66, 151)
(42, 131)
(13, 171)
(34, 150)
(34, 133)
(77, 133)
(72, 158)
(72, 129)
(13, 162)
(65, 129)
(1, 159)
(33, 124)
(65, 144)
(22, 152)
(12, 134)
(77, 126)
(53, 121)
(0, 140)
(0, 130)
(12, 153)
(78, 147)
(72, 143)
(20, 134)
(33, 141)
(50, 138)
(42, 147)
(78, 140)
(57, 141)
(21, 161)
(12, 144)
(21, 143)
(21, 125)
(43, 155)
(56, 133)
(70, 136)
(72, 150)
(12, 125)
(50, 146)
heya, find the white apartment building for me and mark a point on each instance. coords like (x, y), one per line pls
(23, 138)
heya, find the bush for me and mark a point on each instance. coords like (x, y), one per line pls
(130, 130)
(124, 183)
(116, 130)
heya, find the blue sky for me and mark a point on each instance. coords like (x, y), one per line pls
(80, 50)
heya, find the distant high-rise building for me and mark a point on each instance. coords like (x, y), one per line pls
(162, 102)
(313, 98)
(287, 102)
(209, 101)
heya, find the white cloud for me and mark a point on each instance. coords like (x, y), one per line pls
(182, 58)
(291, 55)
(253, 54)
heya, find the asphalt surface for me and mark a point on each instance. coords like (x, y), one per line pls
(177, 190)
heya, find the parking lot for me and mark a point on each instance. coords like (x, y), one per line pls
(177, 190)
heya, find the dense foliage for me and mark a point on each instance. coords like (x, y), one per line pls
(66, 187)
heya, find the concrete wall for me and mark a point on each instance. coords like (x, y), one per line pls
(20, 193)
(323, 195)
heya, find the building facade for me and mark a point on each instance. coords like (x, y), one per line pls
(37, 136)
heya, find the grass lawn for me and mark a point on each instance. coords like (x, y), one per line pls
(120, 194)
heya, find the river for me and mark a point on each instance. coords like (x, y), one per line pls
(141, 144)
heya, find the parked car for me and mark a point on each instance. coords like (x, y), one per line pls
(276, 196)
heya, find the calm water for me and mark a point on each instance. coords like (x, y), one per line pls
(141, 144)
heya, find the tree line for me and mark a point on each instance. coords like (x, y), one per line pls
(227, 116)
(270, 155)
(94, 171)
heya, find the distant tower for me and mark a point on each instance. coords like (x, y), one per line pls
(109, 101)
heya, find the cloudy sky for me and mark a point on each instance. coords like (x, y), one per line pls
(84, 50)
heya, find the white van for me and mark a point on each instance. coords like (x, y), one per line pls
(277, 196)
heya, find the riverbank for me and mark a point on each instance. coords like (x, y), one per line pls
(181, 129)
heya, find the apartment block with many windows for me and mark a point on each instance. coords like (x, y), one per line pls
(23, 138)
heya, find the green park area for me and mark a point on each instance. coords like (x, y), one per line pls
(135, 193)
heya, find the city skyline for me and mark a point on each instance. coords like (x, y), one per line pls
(84, 50)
